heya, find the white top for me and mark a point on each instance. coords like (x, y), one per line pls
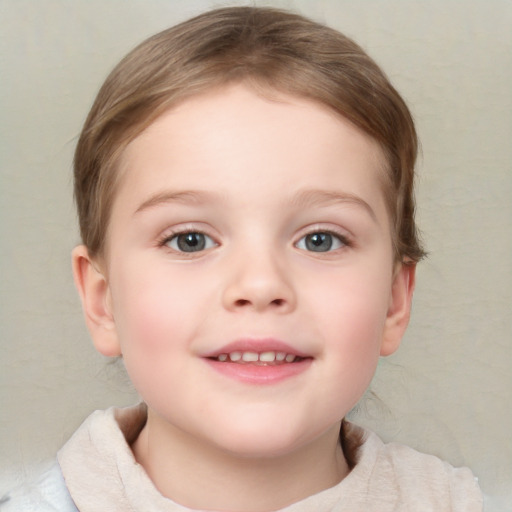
(101, 475)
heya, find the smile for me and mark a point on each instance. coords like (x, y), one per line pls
(269, 358)
(259, 361)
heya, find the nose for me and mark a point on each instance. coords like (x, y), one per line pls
(259, 282)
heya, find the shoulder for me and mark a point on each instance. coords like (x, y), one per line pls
(46, 492)
(417, 480)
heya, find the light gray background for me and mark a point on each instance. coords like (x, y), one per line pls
(447, 391)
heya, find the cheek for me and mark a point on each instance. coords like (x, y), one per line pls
(356, 303)
(144, 321)
(152, 310)
(150, 322)
(353, 317)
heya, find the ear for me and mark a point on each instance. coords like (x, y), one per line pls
(399, 310)
(94, 291)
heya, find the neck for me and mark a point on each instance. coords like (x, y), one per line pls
(201, 476)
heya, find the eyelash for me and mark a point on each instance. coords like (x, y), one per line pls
(342, 239)
(169, 237)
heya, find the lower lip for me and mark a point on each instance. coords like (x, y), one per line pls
(260, 374)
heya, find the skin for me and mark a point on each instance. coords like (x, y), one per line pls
(261, 176)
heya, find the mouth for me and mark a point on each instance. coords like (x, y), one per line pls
(259, 361)
(267, 358)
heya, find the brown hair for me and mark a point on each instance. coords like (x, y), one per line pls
(269, 49)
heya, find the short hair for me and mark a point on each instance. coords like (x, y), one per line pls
(266, 48)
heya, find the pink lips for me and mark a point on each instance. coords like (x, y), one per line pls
(258, 361)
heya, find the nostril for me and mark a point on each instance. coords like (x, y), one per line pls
(242, 302)
(246, 302)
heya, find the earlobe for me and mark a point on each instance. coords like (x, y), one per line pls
(399, 310)
(94, 292)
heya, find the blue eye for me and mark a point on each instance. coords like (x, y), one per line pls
(190, 241)
(321, 241)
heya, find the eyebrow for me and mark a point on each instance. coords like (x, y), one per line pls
(310, 198)
(171, 196)
(304, 199)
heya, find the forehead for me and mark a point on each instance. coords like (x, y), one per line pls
(233, 136)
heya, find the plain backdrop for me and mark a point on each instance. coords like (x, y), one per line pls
(449, 388)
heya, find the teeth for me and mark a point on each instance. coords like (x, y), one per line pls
(267, 357)
(235, 356)
(249, 357)
(254, 357)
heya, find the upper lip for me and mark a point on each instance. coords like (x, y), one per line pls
(257, 345)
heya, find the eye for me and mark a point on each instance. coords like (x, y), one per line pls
(191, 241)
(321, 241)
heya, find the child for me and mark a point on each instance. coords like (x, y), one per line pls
(244, 183)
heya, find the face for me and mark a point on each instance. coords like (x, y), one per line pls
(249, 269)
